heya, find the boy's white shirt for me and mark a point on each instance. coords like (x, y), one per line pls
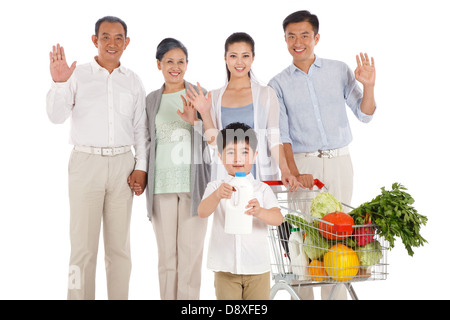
(240, 254)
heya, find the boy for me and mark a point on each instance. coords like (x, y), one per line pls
(241, 262)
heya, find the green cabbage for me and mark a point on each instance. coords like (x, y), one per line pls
(314, 245)
(370, 254)
(323, 204)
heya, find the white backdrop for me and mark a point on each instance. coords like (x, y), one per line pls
(406, 142)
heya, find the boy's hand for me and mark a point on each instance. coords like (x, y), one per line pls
(225, 191)
(255, 208)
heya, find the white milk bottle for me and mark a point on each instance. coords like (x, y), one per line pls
(299, 260)
(236, 220)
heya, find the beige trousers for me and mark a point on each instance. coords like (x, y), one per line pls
(337, 175)
(180, 239)
(98, 190)
(242, 287)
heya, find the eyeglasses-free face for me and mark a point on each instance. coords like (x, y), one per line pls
(301, 40)
(111, 43)
(239, 59)
(173, 66)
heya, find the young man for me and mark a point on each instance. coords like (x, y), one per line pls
(313, 93)
(241, 262)
(106, 103)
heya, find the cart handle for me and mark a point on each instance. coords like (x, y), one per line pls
(319, 184)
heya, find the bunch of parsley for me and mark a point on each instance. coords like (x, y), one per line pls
(393, 213)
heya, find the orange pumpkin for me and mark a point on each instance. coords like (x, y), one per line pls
(341, 228)
(341, 262)
(317, 271)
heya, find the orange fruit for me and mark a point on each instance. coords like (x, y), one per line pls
(317, 271)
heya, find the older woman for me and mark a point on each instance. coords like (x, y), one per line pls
(177, 177)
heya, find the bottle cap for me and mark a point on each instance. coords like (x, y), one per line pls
(240, 174)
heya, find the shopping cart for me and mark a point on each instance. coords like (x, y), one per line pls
(311, 252)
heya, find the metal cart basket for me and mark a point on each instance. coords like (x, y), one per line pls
(310, 252)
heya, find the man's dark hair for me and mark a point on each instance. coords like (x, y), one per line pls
(168, 44)
(110, 19)
(301, 16)
(236, 132)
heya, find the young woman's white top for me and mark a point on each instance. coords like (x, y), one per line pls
(266, 124)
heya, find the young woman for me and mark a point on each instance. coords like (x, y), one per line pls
(244, 99)
(177, 177)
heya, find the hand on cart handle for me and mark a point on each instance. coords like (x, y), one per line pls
(306, 181)
(291, 182)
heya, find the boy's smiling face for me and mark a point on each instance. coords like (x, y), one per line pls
(238, 157)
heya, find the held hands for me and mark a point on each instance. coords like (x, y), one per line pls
(59, 69)
(365, 71)
(137, 181)
(199, 101)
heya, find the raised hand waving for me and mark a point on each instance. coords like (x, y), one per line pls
(189, 114)
(201, 103)
(365, 71)
(59, 69)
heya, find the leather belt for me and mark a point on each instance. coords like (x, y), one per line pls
(106, 152)
(332, 153)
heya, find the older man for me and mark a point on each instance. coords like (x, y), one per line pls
(106, 104)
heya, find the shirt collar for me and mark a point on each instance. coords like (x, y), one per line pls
(317, 63)
(97, 68)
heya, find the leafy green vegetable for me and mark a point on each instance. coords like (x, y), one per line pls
(324, 203)
(393, 213)
(314, 245)
(370, 254)
(299, 222)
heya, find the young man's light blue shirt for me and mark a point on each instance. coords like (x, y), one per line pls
(312, 106)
